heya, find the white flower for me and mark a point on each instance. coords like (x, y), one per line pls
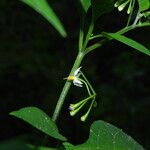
(71, 107)
(77, 82)
(121, 4)
(75, 78)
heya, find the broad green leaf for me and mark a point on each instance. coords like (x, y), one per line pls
(128, 41)
(143, 5)
(39, 120)
(101, 6)
(43, 8)
(85, 4)
(104, 136)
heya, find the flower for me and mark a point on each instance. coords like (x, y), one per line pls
(121, 4)
(75, 78)
(71, 107)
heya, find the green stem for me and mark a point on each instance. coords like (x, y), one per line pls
(96, 36)
(96, 45)
(129, 19)
(88, 83)
(81, 32)
(122, 31)
(75, 66)
(86, 87)
(66, 87)
(90, 30)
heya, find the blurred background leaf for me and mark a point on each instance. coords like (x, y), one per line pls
(85, 4)
(100, 7)
(42, 7)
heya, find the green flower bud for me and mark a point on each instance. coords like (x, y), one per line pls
(122, 6)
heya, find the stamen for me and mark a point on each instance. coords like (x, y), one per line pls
(70, 78)
(73, 112)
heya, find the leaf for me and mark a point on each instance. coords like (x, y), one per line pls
(104, 136)
(101, 6)
(85, 4)
(43, 8)
(143, 5)
(40, 120)
(128, 41)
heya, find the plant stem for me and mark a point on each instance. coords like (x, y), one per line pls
(81, 32)
(77, 63)
(90, 30)
(66, 87)
(96, 36)
(122, 31)
(131, 13)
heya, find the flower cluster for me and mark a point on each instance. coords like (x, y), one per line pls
(121, 4)
(74, 108)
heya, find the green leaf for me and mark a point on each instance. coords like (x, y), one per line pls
(39, 120)
(100, 7)
(104, 136)
(85, 4)
(143, 5)
(43, 8)
(128, 41)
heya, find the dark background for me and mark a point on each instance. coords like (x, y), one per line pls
(34, 59)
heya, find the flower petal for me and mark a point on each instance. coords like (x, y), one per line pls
(77, 82)
(77, 71)
(122, 6)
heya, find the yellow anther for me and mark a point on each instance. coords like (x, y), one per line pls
(70, 78)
